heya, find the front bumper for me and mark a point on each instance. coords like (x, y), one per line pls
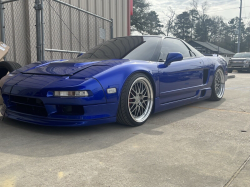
(94, 114)
(28, 98)
(239, 67)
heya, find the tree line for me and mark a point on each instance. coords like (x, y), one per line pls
(192, 24)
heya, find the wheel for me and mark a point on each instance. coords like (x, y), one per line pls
(7, 66)
(218, 86)
(230, 71)
(136, 101)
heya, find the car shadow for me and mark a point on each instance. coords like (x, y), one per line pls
(19, 138)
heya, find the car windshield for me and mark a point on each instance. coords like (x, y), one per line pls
(132, 47)
(145, 51)
(242, 55)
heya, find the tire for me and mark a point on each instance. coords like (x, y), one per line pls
(218, 86)
(7, 66)
(136, 100)
(230, 71)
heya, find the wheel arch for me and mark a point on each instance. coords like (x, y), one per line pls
(117, 76)
(122, 112)
(149, 76)
(218, 67)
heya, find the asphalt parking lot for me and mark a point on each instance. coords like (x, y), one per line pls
(203, 144)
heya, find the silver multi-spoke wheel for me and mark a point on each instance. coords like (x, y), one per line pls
(136, 100)
(219, 83)
(140, 99)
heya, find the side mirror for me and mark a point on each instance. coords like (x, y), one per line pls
(172, 57)
(80, 55)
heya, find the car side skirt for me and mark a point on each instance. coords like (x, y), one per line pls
(200, 96)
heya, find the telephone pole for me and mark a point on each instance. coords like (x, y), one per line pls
(239, 37)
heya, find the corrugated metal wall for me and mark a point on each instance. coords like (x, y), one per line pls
(21, 30)
(115, 9)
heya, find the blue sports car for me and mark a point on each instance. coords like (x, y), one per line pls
(123, 80)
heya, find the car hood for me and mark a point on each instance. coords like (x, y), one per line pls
(68, 67)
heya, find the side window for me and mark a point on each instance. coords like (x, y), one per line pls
(171, 45)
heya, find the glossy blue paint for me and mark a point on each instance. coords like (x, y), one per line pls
(177, 84)
(181, 79)
(115, 77)
(38, 86)
(173, 104)
(173, 57)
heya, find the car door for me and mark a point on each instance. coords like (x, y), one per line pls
(181, 79)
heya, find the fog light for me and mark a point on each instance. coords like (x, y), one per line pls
(71, 93)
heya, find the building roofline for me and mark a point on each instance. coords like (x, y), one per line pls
(213, 47)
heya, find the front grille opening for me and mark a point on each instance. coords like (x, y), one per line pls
(32, 110)
(70, 109)
(27, 105)
(26, 100)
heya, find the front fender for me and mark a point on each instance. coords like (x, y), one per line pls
(117, 76)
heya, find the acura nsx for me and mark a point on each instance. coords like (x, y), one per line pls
(122, 80)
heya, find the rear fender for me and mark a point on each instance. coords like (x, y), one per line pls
(212, 64)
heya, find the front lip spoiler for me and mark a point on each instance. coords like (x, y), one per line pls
(43, 121)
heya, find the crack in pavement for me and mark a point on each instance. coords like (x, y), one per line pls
(237, 172)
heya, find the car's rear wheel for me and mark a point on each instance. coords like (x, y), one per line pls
(218, 86)
(136, 100)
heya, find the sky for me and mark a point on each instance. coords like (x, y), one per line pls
(225, 8)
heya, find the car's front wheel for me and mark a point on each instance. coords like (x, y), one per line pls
(218, 86)
(136, 101)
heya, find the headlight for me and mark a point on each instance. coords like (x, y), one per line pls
(71, 93)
